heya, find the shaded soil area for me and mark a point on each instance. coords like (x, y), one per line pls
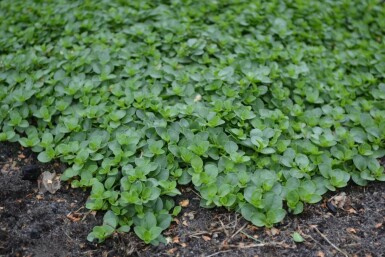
(350, 222)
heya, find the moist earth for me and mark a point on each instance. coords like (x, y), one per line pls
(35, 224)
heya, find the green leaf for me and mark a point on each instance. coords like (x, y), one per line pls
(110, 219)
(275, 216)
(231, 147)
(360, 162)
(254, 196)
(227, 72)
(176, 210)
(197, 164)
(297, 237)
(44, 157)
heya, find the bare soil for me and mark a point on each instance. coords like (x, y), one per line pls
(33, 224)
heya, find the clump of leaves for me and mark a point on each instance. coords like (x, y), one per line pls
(261, 105)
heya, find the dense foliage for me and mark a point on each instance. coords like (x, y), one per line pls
(262, 105)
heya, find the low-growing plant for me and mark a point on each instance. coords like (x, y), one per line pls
(262, 106)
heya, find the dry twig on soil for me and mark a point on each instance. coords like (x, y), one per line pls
(239, 230)
(327, 240)
(218, 253)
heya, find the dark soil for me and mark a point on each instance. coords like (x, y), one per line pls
(32, 224)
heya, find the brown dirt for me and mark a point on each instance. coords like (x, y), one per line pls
(32, 224)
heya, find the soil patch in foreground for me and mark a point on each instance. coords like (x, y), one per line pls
(32, 224)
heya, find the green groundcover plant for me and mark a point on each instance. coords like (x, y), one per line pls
(262, 106)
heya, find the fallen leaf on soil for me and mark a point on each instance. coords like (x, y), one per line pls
(185, 223)
(206, 238)
(351, 230)
(274, 231)
(352, 211)
(183, 245)
(184, 203)
(320, 254)
(378, 225)
(39, 197)
(168, 240)
(21, 156)
(172, 250)
(175, 239)
(190, 215)
(48, 182)
(339, 200)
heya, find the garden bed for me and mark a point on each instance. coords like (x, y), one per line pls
(58, 224)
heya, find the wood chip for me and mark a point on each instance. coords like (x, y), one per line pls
(351, 230)
(184, 203)
(206, 238)
(352, 211)
(252, 227)
(378, 225)
(175, 239)
(74, 217)
(320, 254)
